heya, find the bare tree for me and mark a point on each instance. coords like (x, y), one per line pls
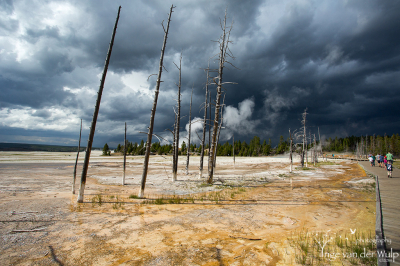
(173, 144)
(219, 131)
(177, 124)
(223, 54)
(209, 129)
(315, 157)
(96, 112)
(291, 151)
(304, 115)
(153, 110)
(320, 144)
(233, 150)
(373, 144)
(204, 126)
(301, 134)
(190, 128)
(386, 145)
(76, 162)
(123, 178)
(311, 148)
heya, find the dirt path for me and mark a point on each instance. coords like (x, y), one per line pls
(245, 219)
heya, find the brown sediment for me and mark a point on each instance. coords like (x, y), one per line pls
(247, 226)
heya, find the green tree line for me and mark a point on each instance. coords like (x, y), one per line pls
(364, 144)
(256, 147)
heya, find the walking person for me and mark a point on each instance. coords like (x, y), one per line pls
(378, 159)
(389, 169)
(389, 157)
(371, 159)
(382, 161)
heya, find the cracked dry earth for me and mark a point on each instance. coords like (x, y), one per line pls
(245, 218)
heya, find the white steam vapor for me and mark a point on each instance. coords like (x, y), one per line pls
(239, 119)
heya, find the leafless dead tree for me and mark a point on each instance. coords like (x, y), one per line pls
(320, 143)
(96, 112)
(233, 150)
(219, 131)
(301, 134)
(177, 124)
(76, 162)
(123, 178)
(153, 110)
(190, 127)
(304, 115)
(209, 129)
(291, 151)
(315, 150)
(204, 126)
(224, 52)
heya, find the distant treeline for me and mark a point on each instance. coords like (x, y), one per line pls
(256, 147)
(37, 147)
(364, 144)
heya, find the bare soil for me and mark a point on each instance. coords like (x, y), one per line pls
(245, 218)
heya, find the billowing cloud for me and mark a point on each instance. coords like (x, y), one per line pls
(239, 119)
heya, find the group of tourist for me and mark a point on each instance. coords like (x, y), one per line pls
(385, 161)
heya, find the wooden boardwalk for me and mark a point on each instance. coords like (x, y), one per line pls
(390, 201)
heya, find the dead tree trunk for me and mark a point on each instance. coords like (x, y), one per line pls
(209, 129)
(311, 148)
(177, 125)
(315, 150)
(123, 179)
(96, 112)
(204, 128)
(304, 136)
(219, 132)
(233, 151)
(76, 162)
(291, 151)
(320, 143)
(173, 145)
(190, 127)
(223, 42)
(153, 110)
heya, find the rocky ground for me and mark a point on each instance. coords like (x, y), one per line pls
(247, 217)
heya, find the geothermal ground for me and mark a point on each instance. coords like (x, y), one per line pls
(253, 214)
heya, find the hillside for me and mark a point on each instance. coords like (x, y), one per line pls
(37, 147)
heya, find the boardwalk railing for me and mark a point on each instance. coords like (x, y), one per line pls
(379, 236)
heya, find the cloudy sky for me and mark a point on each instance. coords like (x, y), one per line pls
(339, 58)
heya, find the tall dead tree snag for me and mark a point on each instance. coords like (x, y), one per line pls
(315, 157)
(177, 124)
(304, 115)
(219, 131)
(223, 54)
(76, 162)
(233, 150)
(96, 112)
(123, 178)
(190, 129)
(204, 127)
(153, 110)
(291, 151)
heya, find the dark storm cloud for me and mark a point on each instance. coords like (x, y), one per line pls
(340, 59)
(333, 66)
(7, 6)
